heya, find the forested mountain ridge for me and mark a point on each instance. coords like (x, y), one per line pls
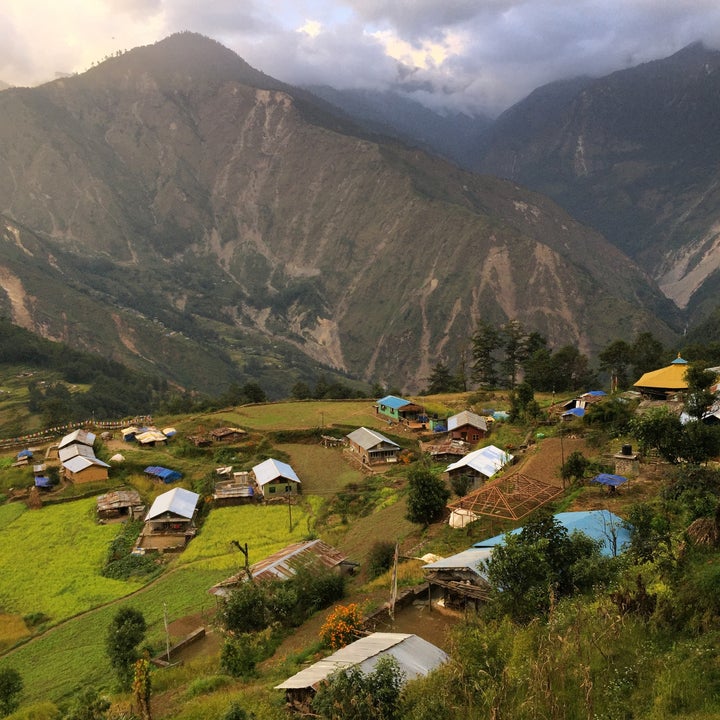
(177, 209)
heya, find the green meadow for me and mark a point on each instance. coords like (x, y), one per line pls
(50, 561)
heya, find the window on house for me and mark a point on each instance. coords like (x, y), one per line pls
(272, 489)
(288, 488)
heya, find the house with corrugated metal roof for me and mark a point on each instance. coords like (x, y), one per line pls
(467, 426)
(398, 409)
(480, 465)
(82, 469)
(275, 479)
(415, 658)
(314, 555)
(371, 448)
(462, 577)
(170, 522)
(120, 505)
(665, 381)
(228, 434)
(82, 437)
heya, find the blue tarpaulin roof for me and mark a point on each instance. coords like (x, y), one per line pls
(578, 412)
(165, 474)
(25, 453)
(608, 479)
(43, 482)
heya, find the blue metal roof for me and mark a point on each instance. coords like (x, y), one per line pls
(599, 525)
(578, 412)
(393, 402)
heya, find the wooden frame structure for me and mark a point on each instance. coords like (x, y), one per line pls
(511, 497)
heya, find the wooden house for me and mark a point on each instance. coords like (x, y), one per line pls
(313, 555)
(480, 465)
(170, 522)
(275, 479)
(372, 448)
(120, 505)
(467, 426)
(460, 577)
(228, 434)
(398, 409)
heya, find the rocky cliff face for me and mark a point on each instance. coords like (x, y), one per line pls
(634, 154)
(209, 216)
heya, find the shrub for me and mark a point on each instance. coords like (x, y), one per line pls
(11, 685)
(205, 685)
(380, 557)
(353, 695)
(342, 626)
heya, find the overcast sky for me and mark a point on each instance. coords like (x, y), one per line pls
(474, 55)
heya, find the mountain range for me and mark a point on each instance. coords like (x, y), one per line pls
(177, 210)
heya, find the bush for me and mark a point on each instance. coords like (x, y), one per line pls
(205, 685)
(11, 685)
(353, 695)
(242, 652)
(380, 557)
(342, 626)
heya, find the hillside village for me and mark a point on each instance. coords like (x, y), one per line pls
(178, 518)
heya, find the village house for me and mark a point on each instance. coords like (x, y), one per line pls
(82, 469)
(415, 658)
(467, 426)
(120, 505)
(461, 578)
(233, 488)
(371, 448)
(398, 409)
(665, 382)
(313, 555)
(480, 465)
(170, 522)
(78, 437)
(275, 478)
(228, 434)
(77, 458)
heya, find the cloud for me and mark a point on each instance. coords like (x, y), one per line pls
(477, 55)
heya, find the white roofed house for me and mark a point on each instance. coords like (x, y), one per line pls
(78, 460)
(371, 448)
(276, 479)
(81, 437)
(170, 522)
(415, 658)
(480, 465)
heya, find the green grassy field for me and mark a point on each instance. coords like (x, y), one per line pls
(323, 471)
(50, 560)
(302, 415)
(72, 654)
